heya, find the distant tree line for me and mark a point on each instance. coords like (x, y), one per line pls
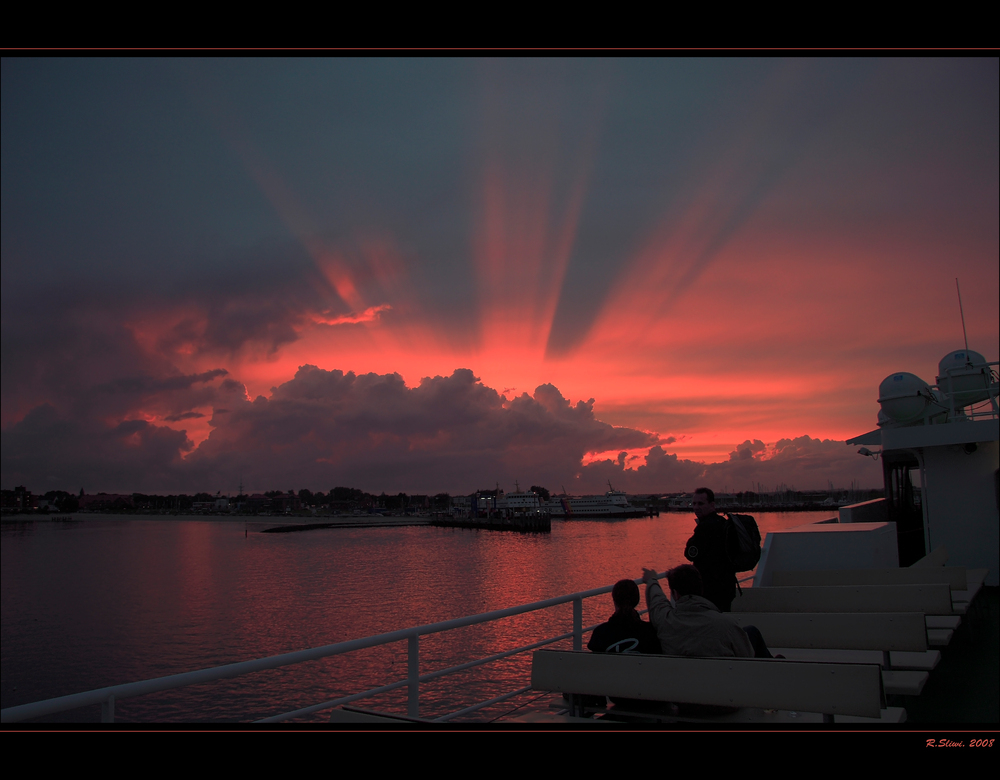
(338, 499)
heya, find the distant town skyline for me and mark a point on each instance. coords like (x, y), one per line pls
(420, 275)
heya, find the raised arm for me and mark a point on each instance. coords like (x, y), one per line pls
(656, 600)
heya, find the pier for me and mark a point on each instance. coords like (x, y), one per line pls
(531, 524)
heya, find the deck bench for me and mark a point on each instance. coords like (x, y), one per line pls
(851, 637)
(940, 628)
(964, 584)
(764, 690)
(930, 599)
(953, 576)
(938, 557)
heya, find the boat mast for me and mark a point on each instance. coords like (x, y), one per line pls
(962, 312)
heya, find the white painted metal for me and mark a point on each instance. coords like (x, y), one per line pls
(828, 546)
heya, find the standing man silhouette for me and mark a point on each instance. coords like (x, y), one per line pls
(706, 549)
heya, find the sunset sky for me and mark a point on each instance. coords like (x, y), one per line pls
(439, 274)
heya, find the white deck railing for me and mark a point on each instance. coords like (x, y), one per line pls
(107, 697)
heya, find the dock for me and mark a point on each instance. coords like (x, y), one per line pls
(534, 524)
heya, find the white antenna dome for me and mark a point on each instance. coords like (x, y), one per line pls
(904, 397)
(964, 377)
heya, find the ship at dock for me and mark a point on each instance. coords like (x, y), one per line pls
(613, 504)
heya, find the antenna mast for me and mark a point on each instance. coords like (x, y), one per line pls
(962, 312)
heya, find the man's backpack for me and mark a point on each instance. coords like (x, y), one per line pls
(742, 541)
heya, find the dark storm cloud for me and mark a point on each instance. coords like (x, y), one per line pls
(321, 428)
(326, 428)
(148, 386)
(661, 472)
(374, 432)
(92, 345)
(803, 463)
(747, 450)
(60, 348)
(184, 416)
(87, 366)
(48, 451)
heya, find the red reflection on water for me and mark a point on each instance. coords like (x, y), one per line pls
(134, 599)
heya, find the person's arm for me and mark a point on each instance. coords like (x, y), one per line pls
(693, 543)
(656, 599)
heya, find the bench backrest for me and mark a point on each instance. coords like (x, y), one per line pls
(834, 689)
(839, 630)
(954, 576)
(937, 558)
(929, 599)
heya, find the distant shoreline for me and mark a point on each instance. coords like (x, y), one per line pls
(325, 517)
(348, 521)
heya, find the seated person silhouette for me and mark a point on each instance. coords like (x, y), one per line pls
(625, 632)
(691, 625)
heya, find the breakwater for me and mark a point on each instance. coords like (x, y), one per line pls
(527, 524)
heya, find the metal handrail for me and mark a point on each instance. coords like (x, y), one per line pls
(107, 696)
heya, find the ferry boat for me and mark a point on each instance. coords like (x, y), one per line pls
(613, 504)
(940, 450)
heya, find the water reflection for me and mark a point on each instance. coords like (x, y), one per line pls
(107, 601)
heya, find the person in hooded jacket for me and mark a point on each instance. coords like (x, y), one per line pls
(692, 625)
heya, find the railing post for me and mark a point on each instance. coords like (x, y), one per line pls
(578, 623)
(413, 674)
(108, 710)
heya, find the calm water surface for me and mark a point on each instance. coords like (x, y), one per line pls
(104, 600)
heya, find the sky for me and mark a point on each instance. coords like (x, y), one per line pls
(443, 274)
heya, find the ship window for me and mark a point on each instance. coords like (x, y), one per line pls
(903, 504)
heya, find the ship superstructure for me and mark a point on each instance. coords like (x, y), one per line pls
(940, 451)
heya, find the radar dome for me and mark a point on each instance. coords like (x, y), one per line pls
(904, 397)
(964, 377)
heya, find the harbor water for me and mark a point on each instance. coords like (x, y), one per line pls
(102, 600)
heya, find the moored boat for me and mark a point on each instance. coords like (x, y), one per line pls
(613, 504)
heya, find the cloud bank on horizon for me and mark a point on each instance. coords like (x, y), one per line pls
(374, 432)
(296, 270)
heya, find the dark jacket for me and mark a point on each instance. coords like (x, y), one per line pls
(706, 549)
(624, 633)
